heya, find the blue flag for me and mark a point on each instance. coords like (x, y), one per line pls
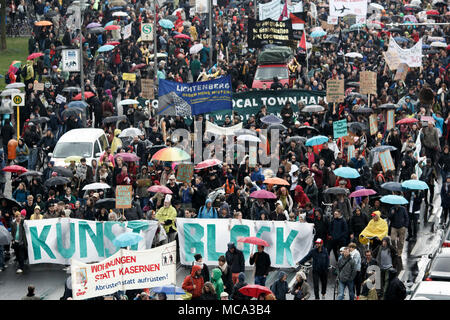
(186, 99)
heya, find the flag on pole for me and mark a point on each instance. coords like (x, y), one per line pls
(302, 43)
(284, 12)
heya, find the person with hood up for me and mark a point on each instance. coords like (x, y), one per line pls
(236, 294)
(116, 143)
(396, 290)
(208, 211)
(226, 275)
(194, 282)
(166, 216)
(216, 279)
(387, 258)
(280, 287)
(377, 228)
(300, 196)
(199, 261)
(235, 259)
(301, 289)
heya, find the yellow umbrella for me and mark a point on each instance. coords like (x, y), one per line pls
(43, 23)
(72, 158)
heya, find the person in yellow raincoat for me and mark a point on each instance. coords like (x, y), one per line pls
(116, 142)
(377, 227)
(167, 215)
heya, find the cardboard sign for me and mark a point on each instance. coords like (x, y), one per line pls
(185, 172)
(340, 128)
(386, 160)
(38, 86)
(129, 77)
(390, 119)
(402, 71)
(368, 82)
(147, 88)
(373, 123)
(335, 90)
(350, 152)
(123, 196)
(332, 20)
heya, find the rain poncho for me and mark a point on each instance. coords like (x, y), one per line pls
(116, 142)
(374, 228)
(217, 281)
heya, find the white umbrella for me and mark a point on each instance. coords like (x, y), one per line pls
(196, 48)
(159, 55)
(438, 44)
(15, 85)
(371, 25)
(431, 39)
(9, 92)
(130, 132)
(354, 55)
(247, 137)
(96, 186)
(416, 3)
(376, 6)
(120, 14)
(128, 102)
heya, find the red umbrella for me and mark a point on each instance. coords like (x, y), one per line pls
(407, 121)
(208, 163)
(126, 156)
(87, 95)
(432, 12)
(15, 168)
(112, 27)
(182, 36)
(254, 290)
(35, 55)
(138, 66)
(362, 193)
(254, 240)
(263, 194)
(161, 189)
(113, 43)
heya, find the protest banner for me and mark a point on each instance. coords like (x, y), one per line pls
(185, 172)
(38, 86)
(272, 10)
(373, 123)
(332, 20)
(395, 55)
(60, 99)
(201, 6)
(386, 160)
(335, 90)
(126, 32)
(60, 239)
(342, 8)
(390, 119)
(265, 32)
(288, 241)
(402, 71)
(129, 77)
(368, 82)
(123, 196)
(147, 88)
(350, 152)
(125, 270)
(340, 128)
(187, 99)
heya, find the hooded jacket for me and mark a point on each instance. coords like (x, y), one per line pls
(392, 252)
(396, 289)
(338, 229)
(116, 142)
(300, 196)
(399, 217)
(374, 228)
(191, 280)
(206, 213)
(235, 260)
(236, 295)
(216, 280)
(280, 288)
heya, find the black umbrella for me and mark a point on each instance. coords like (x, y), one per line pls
(395, 30)
(297, 139)
(71, 112)
(108, 203)
(56, 181)
(172, 18)
(305, 128)
(96, 30)
(363, 110)
(10, 203)
(383, 148)
(113, 119)
(337, 190)
(40, 120)
(356, 95)
(387, 106)
(392, 186)
(277, 126)
(352, 84)
(31, 173)
(72, 89)
(63, 171)
(355, 126)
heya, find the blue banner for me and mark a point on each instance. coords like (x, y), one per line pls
(186, 99)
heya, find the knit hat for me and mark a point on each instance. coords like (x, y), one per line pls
(23, 212)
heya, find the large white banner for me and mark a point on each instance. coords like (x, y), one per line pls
(225, 131)
(125, 270)
(61, 239)
(272, 10)
(126, 32)
(288, 241)
(395, 55)
(342, 8)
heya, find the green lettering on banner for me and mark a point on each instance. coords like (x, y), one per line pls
(213, 255)
(137, 226)
(285, 246)
(97, 239)
(39, 241)
(193, 235)
(243, 231)
(261, 230)
(67, 253)
(110, 235)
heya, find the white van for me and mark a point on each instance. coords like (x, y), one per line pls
(89, 143)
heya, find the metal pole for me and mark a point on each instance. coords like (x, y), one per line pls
(155, 51)
(210, 34)
(18, 123)
(81, 56)
(256, 10)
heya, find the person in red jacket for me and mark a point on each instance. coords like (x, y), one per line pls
(194, 282)
(300, 196)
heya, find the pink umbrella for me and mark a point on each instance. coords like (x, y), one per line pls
(182, 36)
(162, 189)
(263, 194)
(362, 193)
(112, 27)
(126, 156)
(254, 240)
(407, 121)
(207, 163)
(35, 55)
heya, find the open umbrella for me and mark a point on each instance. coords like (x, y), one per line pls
(108, 203)
(407, 121)
(30, 173)
(120, 14)
(401, 39)
(15, 169)
(240, 132)
(112, 43)
(392, 186)
(5, 236)
(383, 148)
(10, 203)
(271, 119)
(393, 199)
(6, 110)
(254, 240)
(71, 112)
(138, 66)
(72, 89)
(93, 25)
(248, 137)
(438, 44)
(9, 92)
(196, 48)
(87, 95)
(35, 55)
(387, 106)
(15, 85)
(414, 184)
(166, 24)
(96, 186)
(56, 181)
(63, 171)
(355, 126)
(182, 36)
(296, 139)
(318, 33)
(40, 120)
(313, 108)
(127, 157)
(156, 148)
(96, 30)
(432, 13)
(127, 239)
(43, 23)
(105, 48)
(315, 141)
(262, 194)
(336, 190)
(277, 126)
(254, 290)
(127, 102)
(304, 129)
(363, 110)
(354, 55)
(130, 132)
(362, 193)
(160, 189)
(114, 119)
(112, 27)
(346, 172)
(376, 6)
(77, 104)
(171, 154)
(276, 181)
(169, 289)
(207, 164)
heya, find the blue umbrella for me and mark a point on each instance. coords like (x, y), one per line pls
(392, 186)
(77, 104)
(400, 39)
(166, 24)
(317, 140)
(346, 172)
(426, 46)
(393, 199)
(109, 23)
(383, 148)
(414, 184)
(168, 289)
(317, 34)
(127, 239)
(105, 48)
(271, 119)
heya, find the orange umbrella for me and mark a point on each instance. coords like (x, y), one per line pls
(277, 181)
(43, 23)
